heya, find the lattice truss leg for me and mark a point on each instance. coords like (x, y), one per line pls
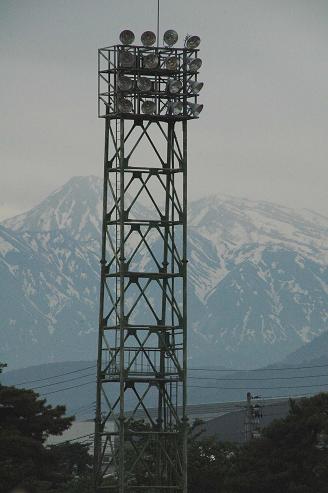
(142, 336)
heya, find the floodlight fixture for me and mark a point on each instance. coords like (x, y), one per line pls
(171, 63)
(174, 86)
(195, 86)
(125, 105)
(148, 38)
(176, 108)
(170, 37)
(194, 64)
(124, 83)
(127, 59)
(192, 42)
(195, 109)
(127, 37)
(144, 84)
(148, 107)
(151, 61)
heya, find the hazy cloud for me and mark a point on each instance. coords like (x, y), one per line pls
(262, 134)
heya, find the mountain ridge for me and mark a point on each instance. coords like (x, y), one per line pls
(258, 278)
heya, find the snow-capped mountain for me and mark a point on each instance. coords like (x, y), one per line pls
(258, 279)
(76, 208)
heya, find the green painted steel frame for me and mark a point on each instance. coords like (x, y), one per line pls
(149, 456)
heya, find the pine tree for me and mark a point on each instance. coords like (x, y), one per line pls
(26, 421)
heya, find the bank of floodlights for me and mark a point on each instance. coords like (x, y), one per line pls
(150, 82)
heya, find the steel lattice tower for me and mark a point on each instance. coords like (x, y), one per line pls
(146, 96)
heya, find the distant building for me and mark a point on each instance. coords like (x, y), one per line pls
(230, 427)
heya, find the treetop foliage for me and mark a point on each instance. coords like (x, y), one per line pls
(290, 457)
(26, 421)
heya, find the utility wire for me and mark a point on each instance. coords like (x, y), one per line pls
(258, 378)
(192, 377)
(302, 377)
(257, 388)
(64, 381)
(90, 435)
(258, 369)
(84, 407)
(55, 376)
(189, 369)
(67, 388)
(298, 377)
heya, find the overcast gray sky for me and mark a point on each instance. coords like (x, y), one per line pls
(263, 131)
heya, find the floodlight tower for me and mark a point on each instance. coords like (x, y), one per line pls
(146, 95)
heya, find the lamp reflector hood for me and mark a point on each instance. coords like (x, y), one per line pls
(195, 109)
(192, 42)
(194, 64)
(125, 105)
(174, 86)
(171, 63)
(148, 38)
(150, 61)
(127, 37)
(170, 37)
(127, 59)
(124, 83)
(148, 107)
(144, 84)
(195, 86)
(176, 108)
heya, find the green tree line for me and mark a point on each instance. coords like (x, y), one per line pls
(291, 456)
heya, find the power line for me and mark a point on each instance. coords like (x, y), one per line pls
(64, 381)
(200, 378)
(67, 388)
(195, 378)
(302, 377)
(195, 369)
(258, 378)
(256, 388)
(55, 376)
(84, 407)
(258, 369)
(90, 435)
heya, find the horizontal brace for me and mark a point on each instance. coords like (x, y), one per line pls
(145, 275)
(146, 380)
(148, 71)
(168, 50)
(161, 95)
(146, 169)
(152, 118)
(150, 349)
(151, 222)
(151, 328)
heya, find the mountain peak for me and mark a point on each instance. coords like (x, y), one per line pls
(241, 221)
(257, 277)
(76, 207)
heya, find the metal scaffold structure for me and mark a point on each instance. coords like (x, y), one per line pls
(146, 96)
